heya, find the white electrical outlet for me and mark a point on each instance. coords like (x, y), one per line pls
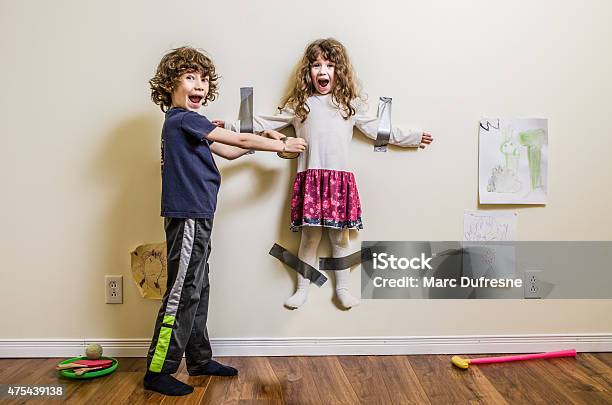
(113, 288)
(532, 286)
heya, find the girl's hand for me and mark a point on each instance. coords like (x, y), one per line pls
(295, 145)
(426, 139)
(270, 133)
(218, 123)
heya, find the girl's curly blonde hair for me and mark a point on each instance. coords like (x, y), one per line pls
(345, 88)
(172, 66)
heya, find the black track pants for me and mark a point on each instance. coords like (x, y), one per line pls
(181, 322)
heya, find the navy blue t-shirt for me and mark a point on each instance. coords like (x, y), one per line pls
(190, 178)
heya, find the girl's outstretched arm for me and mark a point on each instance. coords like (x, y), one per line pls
(410, 138)
(267, 122)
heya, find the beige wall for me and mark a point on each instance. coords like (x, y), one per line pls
(80, 153)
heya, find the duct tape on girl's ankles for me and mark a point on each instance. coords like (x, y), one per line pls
(325, 263)
(296, 264)
(346, 262)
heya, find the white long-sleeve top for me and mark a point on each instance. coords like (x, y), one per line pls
(329, 135)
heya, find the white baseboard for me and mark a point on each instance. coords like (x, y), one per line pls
(22, 348)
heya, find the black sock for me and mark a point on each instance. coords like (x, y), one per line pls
(213, 368)
(165, 384)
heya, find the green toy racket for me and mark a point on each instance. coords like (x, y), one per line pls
(70, 373)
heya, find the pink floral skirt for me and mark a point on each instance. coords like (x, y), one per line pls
(326, 198)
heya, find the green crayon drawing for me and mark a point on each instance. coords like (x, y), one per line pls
(533, 140)
(505, 179)
(513, 160)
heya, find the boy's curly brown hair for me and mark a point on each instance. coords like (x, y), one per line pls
(173, 65)
(345, 88)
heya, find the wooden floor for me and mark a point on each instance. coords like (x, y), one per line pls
(428, 379)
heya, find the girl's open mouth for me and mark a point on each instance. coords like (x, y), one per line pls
(323, 82)
(195, 99)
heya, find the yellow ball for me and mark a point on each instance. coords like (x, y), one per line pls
(93, 351)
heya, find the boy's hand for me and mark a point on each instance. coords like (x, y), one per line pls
(218, 123)
(426, 139)
(270, 133)
(295, 145)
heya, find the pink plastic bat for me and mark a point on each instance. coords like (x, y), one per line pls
(465, 363)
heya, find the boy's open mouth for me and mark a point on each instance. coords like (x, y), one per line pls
(195, 99)
(323, 82)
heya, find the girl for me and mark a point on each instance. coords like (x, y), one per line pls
(323, 107)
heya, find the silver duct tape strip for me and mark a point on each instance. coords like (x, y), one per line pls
(384, 124)
(448, 252)
(296, 264)
(245, 115)
(341, 263)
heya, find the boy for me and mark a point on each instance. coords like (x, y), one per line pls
(185, 80)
